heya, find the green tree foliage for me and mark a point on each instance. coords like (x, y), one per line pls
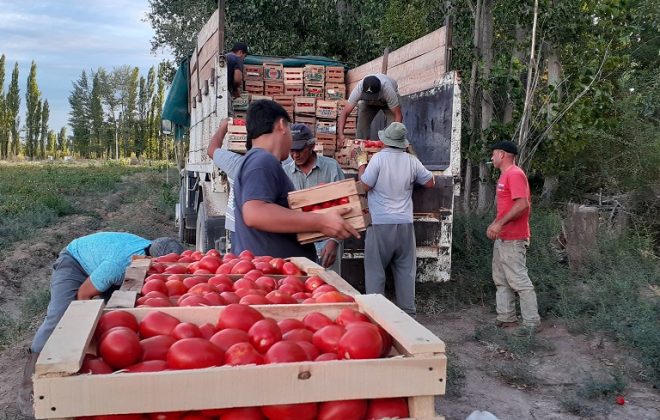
(43, 130)
(96, 117)
(4, 122)
(79, 116)
(32, 113)
(63, 142)
(52, 144)
(13, 104)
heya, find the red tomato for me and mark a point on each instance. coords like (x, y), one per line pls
(175, 287)
(197, 255)
(344, 200)
(223, 279)
(214, 298)
(253, 274)
(207, 330)
(278, 265)
(154, 294)
(294, 281)
(193, 281)
(154, 285)
(156, 347)
(194, 353)
(289, 289)
(290, 269)
(299, 334)
(118, 417)
(170, 415)
(201, 288)
(332, 297)
(243, 354)
(327, 357)
(228, 257)
(185, 260)
(285, 352)
(360, 341)
(317, 207)
(156, 268)
(307, 208)
(304, 411)
(309, 300)
(387, 408)
(246, 255)
(242, 292)
(324, 288)
(113, 319)
(279, 297)
(120, 348)
(171, 257)
(238, 316)
(327, 204)
(301, 296)
(387, 341)
(313, 282)
(156, 277)
(254, 299)
(348, 315)
(186, 330)
(225, 268)
(195, 416)
(342, 410)
(242, 267)
(244, 283)
(176, 269)
(264, 333)
(228, 337)
(159, 302)
(148, 366)
(201, 271)
(193, 300)
(316, 320)
(94, 365)
(327, 338)
(264, 267)
(310, 349)
(230, 297)
(243, 413)
(157, 323)
(266, 283)
(289, 324)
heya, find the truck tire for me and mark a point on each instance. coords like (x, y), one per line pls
(201, 241)
(186, 236)
(210, 230)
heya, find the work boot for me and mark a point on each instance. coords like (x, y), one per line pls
(506, 324)
(25, 392)
(527, 330)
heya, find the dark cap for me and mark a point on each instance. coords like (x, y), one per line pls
(302, 136)
(370, 88)
(507, 146)
(240, 46)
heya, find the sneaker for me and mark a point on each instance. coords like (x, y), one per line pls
(527, 330)
(506, 324)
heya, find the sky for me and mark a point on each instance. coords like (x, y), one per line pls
(65, 37)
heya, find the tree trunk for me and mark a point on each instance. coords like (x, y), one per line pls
(551, 181)
(550, 186)
(516, 55)
(581, 230)
(485, 193)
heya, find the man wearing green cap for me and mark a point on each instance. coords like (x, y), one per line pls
(389, 179)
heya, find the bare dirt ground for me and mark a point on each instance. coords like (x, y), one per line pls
(491, 378)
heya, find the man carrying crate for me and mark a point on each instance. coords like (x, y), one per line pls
(89, 266)
(389, 179)
(265, 224)
(308, 169)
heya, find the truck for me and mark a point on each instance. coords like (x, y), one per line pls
(431, 107)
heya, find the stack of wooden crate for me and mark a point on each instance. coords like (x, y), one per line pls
(335, 87)
(305, 111)
(253, 79)
(273, 79)
(326, 126)
(350, 127)
(236, 136)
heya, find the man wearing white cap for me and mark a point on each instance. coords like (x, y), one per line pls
(389, 179)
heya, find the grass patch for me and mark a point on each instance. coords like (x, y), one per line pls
(455, 375)
(7, 329)
(518, 346)
(594, 397)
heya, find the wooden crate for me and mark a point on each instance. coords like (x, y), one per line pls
(358, 216)
(326, 127)
(242, 102)
(273, 72)
(284, 100)
(329, 143)
(305, 105)
(136, 273)
(351, 126)
(314, 90)
(293, 76)
(326, 109)
(335, 92)
(294, 90)
(260, 97)
(314, 74)
(240, 114)
(341, 104)
(334, 74)
(416, 368)
(253, 72)
(254, 87)
(310, 122)
(273, 88)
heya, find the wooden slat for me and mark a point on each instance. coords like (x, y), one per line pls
(135, 274)
(360, 223)
(322, 193)
(417, 48)
(207, 30)
(413, 336)
(209, 51)
(306, 265)
(122, 299)
(237, 386)
(334, 279)
(65, 348)
(422, 407)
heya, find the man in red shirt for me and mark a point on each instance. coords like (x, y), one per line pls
(510, 231)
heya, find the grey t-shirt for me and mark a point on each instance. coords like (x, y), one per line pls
(391, 175)
(326, 170)
(228, 162)
(389, 92)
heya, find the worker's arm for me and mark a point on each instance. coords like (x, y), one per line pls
(361, 170)
(398, 116)
(238, 82)
(519, 206)
(430, 183)
(270, 217)
(218, 137)
(342, 122)
(87, 290)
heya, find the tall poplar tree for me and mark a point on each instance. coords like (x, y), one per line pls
(43, 138)
(32, 112)
(13, 103)
(79, 99)
(4, 121)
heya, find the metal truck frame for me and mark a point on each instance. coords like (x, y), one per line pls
(430, 101)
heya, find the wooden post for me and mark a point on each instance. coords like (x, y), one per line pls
(581, 230)
(383, 66)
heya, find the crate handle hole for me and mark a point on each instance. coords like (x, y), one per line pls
(304, 375)
(53, 409)
(41, 397)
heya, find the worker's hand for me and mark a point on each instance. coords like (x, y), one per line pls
(341, 139)
(411, 150)
(87, 290)
(494, 230)
(333, 225)
(329, 253)
(359, 156)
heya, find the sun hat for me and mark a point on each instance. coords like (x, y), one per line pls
(394, 135)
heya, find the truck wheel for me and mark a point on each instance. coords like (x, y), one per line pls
(186, 236)
(210, 230)
(201, 242)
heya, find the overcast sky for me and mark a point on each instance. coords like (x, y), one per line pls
(65, 37)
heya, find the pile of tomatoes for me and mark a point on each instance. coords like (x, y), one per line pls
(210, 280)
(383, 408)
(243, 336)
(327, 204)
(376, 144)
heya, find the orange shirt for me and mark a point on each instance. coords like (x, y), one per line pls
(512, 185)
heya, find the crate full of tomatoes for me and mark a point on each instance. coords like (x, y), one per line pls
(344, 194)
(212, 279)
(236, 136)
(270, 361)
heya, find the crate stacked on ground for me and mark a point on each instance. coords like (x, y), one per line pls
(196, 279)
(236, 137)
(344, 194)
(335, 85)
(273, 79)
(326, 126)
(401, 359)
